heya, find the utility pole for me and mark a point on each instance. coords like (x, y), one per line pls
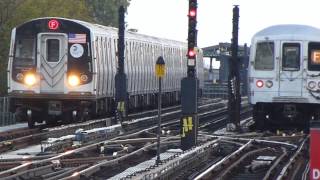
(234, 102)
(121, 78)
(189, 86)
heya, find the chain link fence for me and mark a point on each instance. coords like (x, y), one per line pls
(219, 90)
(6, 117)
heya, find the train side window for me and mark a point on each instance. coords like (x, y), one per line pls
(291, 57)
(264, 59)
(25, 52)
(53, 50)
(314, 56)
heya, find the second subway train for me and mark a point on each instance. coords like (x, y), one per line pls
(284, 75)
(64, 69)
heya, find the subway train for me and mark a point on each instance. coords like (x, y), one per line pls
(284, 76)
(64, 69)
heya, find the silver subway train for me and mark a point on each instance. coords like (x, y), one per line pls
(64, 69)
(284, 75)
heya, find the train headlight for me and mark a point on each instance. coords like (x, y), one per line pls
(73, 80)
(84, 78)
(269, 84)
(312, 84)
(20, 76)
(259, 83)
(30, 79)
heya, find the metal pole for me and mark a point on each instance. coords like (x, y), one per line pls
(234, 101)
(189, 86)
(121, 77)
(210, 70)
(159, 123)
(121, 45)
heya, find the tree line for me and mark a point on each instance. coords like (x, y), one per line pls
(15, 12)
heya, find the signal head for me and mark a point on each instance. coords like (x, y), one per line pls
(192, 13)
(191, 53)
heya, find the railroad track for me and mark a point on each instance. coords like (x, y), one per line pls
(16, 133)
(233, 151)
(100, 167)
(263, 159)
(18, 168)
(23, 137)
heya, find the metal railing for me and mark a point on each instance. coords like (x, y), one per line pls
(6, 117)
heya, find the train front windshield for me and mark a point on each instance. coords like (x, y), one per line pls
(291, 57)
(264, 56)
(24, 52)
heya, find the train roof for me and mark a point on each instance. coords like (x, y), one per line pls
(101, 29)
(289, 31)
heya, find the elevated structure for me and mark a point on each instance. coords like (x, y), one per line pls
(222, 53)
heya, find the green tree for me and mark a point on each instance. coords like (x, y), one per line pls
(8, 7)
(15, 12)
(106, 11)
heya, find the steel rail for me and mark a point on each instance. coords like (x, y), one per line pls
(255, 140)
(275, 164)
(233, 165)
(285, 169)
(72, 172)
(92, 169)
(16, 176)
(162, 170)
(91, 146)
(207, 172)
(306, 171)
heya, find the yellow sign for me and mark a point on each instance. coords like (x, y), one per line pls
(160, 70)
(120, 106)
(190, 123)
(187, 125)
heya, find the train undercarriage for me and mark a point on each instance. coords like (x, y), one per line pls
(271, 116)
(51, 111)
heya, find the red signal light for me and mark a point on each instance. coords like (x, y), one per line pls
(192, 13)
(53, 24)
(191, 53)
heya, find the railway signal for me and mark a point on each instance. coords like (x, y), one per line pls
(121, 78)
(233, 123)
(192, 37)
(189, 86)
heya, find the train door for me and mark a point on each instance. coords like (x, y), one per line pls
(52, 58)
(290, 71)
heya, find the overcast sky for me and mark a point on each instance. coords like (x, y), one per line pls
(168, 18)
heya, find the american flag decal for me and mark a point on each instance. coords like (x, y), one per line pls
(77, 38)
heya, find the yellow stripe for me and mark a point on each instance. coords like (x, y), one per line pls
(122, 106)
(183, 134)
(185, 124)
(190, 123)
